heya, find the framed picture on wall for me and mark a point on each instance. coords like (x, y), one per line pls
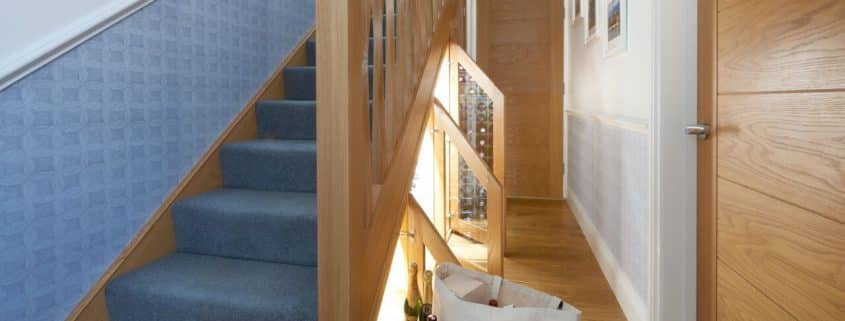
(616, 40)
(591, 19)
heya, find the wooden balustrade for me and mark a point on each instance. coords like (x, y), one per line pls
(495, 189)
(367, 156)
(357, 230)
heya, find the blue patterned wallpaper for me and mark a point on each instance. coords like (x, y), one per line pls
(92, 143)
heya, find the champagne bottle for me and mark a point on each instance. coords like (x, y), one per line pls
(427, 296)
(413, 302)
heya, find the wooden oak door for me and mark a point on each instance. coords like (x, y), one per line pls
(520, 45)
(772, 176)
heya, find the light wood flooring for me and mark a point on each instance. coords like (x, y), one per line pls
(547, 251)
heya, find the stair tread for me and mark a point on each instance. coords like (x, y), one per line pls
(199, 287)
(287, 102)
(253, 202)
(301, 68)
(275, 145)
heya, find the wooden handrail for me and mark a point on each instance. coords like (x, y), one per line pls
(367, 156)
(357, 226)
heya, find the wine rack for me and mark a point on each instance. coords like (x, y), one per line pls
(476, 121)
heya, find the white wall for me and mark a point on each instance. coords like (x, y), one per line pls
(625, 119)
(32, 32)
(619, 86)
(609, 103)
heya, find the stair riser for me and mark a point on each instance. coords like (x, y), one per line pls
(288, 240)
(311, 52)
(269, 171)
(287, 121)
(300, 83)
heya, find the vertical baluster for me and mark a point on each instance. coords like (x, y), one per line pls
(429, 22)
(419, 41)
(435, 9)
(378, 91)
(397, 82)
(413, 35)
(405, 61)
(390, 87)
(409, 42)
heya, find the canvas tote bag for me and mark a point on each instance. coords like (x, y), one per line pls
(516, 302)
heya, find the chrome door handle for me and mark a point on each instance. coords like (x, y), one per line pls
(702, 131)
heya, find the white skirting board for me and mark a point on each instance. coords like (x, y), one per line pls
(634, 307)
(47, 49)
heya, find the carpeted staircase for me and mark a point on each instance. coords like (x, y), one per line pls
(247, 251)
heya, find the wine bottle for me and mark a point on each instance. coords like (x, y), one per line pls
(413, 302)
(427, 296)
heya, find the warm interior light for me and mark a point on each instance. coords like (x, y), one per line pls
(394, 291)
(423, 190)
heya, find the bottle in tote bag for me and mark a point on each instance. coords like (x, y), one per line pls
(426, 313)
(413, 302)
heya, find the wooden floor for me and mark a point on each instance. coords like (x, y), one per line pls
(547, 251)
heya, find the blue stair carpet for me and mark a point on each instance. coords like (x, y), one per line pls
(213, 224)
(247, 251)
(287, 119)
(270, 164)
(191, 287)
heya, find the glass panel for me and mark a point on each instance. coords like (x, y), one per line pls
(422, 186)
(475, 115)
(467, 224)
(475, 118)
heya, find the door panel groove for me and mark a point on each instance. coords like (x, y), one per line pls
(795, 256)
(791, 146)
(729, 180)
(776, 92)
(732, 282)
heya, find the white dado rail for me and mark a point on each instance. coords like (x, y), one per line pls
(635, 125)
(34, 32)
